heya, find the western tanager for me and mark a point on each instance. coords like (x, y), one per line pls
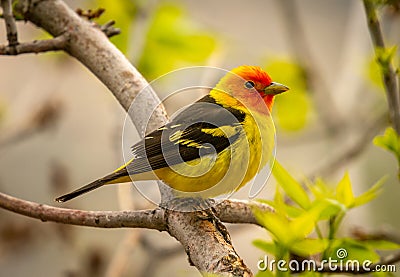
(214, 146)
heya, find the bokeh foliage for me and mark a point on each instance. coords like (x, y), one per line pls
(124, 13)
(294, 112)
(306, 224)
(172, 40)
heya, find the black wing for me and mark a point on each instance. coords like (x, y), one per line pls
(189, 136)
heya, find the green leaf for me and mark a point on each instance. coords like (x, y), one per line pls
(281, 206)
(384, 56)
(292, 188)
(370, 194)
(331, 208)
(320, 189)
(284, 209)
(389, 141)
(373, 74)
(344, 191)
(350, 249)
(268, 247)
(308, 247)
(276, 224)
(303, 225)
(382, 244)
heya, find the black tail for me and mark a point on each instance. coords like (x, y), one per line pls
(93, 185)
(89, 187)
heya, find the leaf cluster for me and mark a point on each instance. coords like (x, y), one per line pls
(307, 219)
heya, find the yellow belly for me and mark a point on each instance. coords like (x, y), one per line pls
(234, 167)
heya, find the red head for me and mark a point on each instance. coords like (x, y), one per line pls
(246, 81)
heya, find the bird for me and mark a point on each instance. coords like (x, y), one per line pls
(213, 147)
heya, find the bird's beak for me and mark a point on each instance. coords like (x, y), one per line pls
(275, 88)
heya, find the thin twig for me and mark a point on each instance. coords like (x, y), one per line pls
(350, 153)
(387, 69)
(37, 46)
(382, 234)
(322, 92)
(46, 116)
(109, 30)
(11, 27)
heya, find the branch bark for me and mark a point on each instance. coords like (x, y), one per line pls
(202, 235)
(11, 27)
(229, 211)
(392, 88)
(37, 46)
(150, 219)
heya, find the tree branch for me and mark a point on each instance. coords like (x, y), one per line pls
(388, 71)
(349, 153)
(36, 46)
(40, 46)
(109, 30)
(150, 219)
(230, 211)
(238, 211)
(11, 27)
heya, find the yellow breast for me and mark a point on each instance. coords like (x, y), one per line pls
(215, 175)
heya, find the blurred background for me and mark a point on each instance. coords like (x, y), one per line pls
(61, 128)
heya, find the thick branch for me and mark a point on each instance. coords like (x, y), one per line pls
(388, 71)
(37, 46)
(195, 231)
(237, 211)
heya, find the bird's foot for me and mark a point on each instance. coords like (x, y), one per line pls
(188, 204)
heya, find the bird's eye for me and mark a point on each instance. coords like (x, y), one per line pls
(249, 85)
